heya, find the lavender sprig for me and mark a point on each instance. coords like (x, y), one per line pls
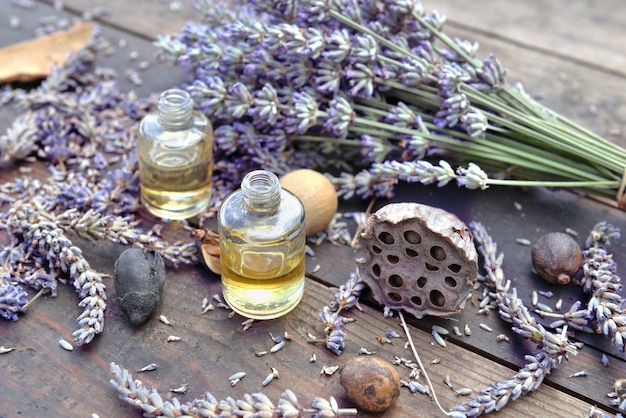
(553, 348)
(42, 238)
(603, 284)
(254, 405)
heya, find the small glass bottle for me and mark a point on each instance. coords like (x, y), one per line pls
(262, 238)
(175, 157)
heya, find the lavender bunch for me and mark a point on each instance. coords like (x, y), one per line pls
(553, 348)
(252, 405)
(380, 84)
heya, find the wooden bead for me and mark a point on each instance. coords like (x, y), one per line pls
(318, 197)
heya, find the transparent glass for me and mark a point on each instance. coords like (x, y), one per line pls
(262, 239)
(175, 158)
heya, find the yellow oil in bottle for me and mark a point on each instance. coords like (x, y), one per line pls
(262, 241)
(175, 187)
(261, 286)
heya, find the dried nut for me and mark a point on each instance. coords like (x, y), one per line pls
(418, 258)
(556, 257)
(139, 280)
(208, 245)
(370, 382)
(318, 197)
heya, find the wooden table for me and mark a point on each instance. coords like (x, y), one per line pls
(571, 53)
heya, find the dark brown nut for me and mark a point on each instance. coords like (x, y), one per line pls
(139, 279)
(556, 257)
(370, 382)
(419, 259)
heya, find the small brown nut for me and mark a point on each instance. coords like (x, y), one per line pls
(556, 257)
(317, 194)
(371, 383)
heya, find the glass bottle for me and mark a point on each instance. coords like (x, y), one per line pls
(262, 239)
(175, 157)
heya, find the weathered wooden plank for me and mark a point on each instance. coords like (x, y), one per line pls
(589, 32)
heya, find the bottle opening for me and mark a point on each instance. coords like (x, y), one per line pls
(175, 107)
(261, 190)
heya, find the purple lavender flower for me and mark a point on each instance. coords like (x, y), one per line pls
(12, 300)
(340, 117)
(336, 341)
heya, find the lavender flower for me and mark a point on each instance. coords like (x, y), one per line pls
(12, 299)
(152, 403)
(552, 348)
(336, 341)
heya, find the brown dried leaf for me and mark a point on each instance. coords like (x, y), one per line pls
(32, 60)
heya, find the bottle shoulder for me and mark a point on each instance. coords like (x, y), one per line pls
(152, 130)
(248, 225)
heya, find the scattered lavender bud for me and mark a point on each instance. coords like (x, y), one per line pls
(150, 367)
(582, 373)
(277, 347)
(182, 389)
(66, 345)
(605, 360)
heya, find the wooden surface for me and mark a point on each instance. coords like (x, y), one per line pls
(571, 54)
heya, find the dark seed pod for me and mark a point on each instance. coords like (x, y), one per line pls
(139, 279)
(556, 257)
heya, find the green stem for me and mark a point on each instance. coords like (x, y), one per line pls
(569, 184)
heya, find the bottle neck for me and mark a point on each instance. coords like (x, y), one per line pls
(260, 191)
(175, 108)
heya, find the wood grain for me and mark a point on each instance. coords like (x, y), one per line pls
(588, 33)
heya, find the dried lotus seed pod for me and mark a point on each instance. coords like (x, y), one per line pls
(139, 279)
(419, 259)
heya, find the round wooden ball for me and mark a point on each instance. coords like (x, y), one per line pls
(317, 194)
(370, 382)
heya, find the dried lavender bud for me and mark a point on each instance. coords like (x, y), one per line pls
(556, 257)
(139, 280)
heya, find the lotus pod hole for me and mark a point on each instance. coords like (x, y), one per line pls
(418, 258)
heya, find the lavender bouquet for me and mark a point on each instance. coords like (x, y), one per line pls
(377, 93)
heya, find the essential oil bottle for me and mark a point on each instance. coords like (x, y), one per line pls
(262, 239)
(175, 157)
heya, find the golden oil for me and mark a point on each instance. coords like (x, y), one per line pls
(262, 238)
(175, 158)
